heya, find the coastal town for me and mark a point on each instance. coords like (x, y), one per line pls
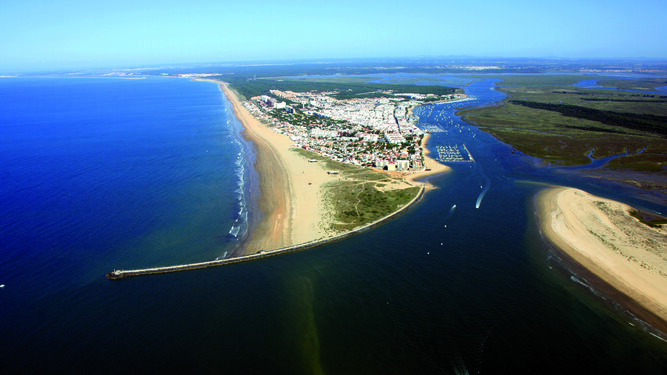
(378, 131)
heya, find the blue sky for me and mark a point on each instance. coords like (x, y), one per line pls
(73, 34)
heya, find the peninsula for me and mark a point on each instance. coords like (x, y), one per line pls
(609, 239)
(316, 180)
(322, 177)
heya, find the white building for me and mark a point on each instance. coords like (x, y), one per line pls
(402, 165)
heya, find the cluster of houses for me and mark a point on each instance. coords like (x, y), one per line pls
(370, 132)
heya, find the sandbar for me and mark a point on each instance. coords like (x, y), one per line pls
(602, 236)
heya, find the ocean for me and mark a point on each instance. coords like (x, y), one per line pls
(100, 174)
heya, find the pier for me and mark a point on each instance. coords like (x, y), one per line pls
(121, 274)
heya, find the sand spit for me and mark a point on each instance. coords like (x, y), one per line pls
(292, 187)
(295, 214)
(601, 235)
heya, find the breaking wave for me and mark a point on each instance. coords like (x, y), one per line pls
(239, 226)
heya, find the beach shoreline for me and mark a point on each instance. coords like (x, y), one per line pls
(293, 207)
(279, 189)
(603, 238)
(432, 166)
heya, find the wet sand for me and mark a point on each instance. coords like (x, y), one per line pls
(291, 187)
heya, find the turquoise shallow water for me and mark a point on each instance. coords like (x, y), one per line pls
(130, 173)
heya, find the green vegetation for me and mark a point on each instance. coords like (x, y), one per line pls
(564, 124)
(362, 203)
(346, 90)
(607, 100)
(326, 79)
(358, 198)
(647, 84)
(540, 79)
(419, 79)
(640, 163)
(348, 171)
(306, 120)
(634, 121)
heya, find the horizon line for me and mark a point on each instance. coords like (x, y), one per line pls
(329, 60)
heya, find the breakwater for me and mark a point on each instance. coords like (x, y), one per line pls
(121, 274)
(490, 292)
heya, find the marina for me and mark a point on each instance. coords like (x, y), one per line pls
(431, 128)
(454, 154)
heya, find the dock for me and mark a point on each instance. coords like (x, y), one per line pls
(454, 154)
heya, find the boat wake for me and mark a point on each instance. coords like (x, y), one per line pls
(451, 212)
(485, 185)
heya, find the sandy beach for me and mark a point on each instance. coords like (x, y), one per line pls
(432, 166)
(602, 236)
(292, 187)
(291, 201)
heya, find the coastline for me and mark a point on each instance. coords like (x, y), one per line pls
(121, 274)
(273, 202)
(291, 188)
(601, 236)
(278, 169)
(432, 166)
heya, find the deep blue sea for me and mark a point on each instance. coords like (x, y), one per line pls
(98, 174)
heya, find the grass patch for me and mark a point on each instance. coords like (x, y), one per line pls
(332, 165)
(356, 199)
(645, 84)
(309, 154)
(642, 162)
(357, 204)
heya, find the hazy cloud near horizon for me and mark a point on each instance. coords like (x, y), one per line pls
(73, 34)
